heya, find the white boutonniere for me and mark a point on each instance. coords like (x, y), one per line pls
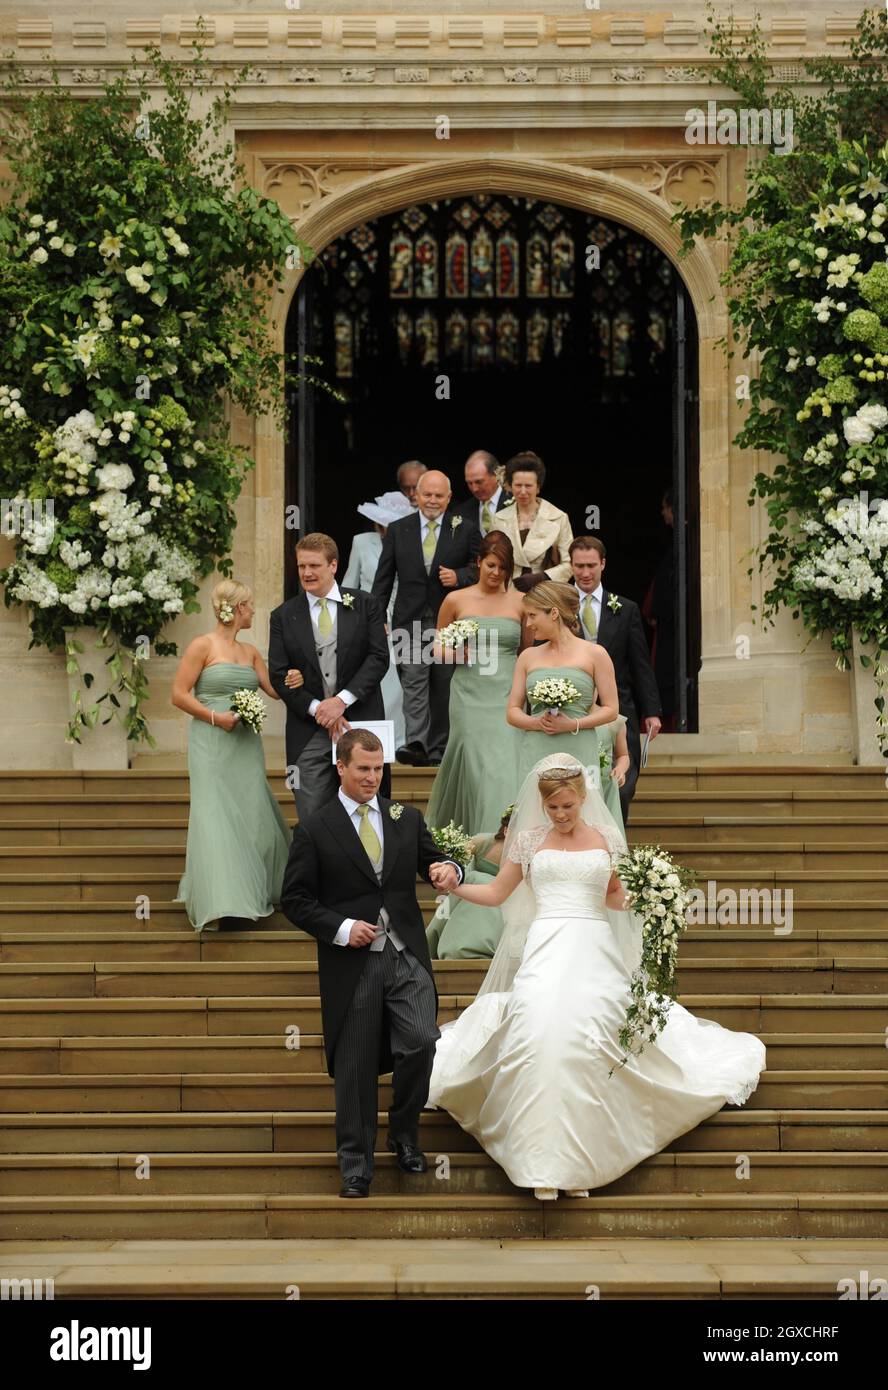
(396, 810)
(454, 522)
(348, 600)
(510, 502)
(614, 604)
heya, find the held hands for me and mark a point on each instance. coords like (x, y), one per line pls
(556, 723)
(294, 678)
(361, 934)
(329, 712)
(444, 877)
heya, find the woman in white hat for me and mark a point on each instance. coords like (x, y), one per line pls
(362, 562)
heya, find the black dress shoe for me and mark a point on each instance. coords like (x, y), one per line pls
(355, 1187)
(413, 754)
(411, 1159)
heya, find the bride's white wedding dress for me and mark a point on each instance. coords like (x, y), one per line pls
(526, 1071)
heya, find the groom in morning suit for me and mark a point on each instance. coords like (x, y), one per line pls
(618, 628)
(428, 553)
(351, 883)
(337, 640)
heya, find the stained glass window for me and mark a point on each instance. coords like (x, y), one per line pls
(413, 281)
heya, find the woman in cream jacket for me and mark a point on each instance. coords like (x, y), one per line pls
(540, 532)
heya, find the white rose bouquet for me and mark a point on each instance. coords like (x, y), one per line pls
(555, 694)
(251, 708)
(658, 890)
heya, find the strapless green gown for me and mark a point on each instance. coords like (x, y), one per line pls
(238, 841)
(479, 771)
(585, 745)
(607, 737)
(467, 931)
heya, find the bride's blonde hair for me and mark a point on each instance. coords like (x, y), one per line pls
(555, 779)
(227, 594)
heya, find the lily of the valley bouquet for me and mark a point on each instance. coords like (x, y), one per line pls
(555, 694)
(658, 890)
(453, 842)
(251, 708)
(456, 636)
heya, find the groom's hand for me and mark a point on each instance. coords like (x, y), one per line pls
(444, 877)
(361, 934)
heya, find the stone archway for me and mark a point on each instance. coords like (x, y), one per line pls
(594, 190)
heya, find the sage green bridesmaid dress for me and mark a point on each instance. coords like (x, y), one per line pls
(479, 771)
(607, 739)
(466, 931)
(585, 745)
(238, 841)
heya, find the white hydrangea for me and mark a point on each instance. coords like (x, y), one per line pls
(33, 586)
(114, 477)
(73, 554)
(851, 560)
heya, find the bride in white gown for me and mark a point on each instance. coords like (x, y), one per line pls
(525, 1069)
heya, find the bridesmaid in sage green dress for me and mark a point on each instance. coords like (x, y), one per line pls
(479, 770)
(551, 613)
(613, 748)
(464, 931)
(238, 841)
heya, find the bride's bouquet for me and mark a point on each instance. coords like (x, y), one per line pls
(251, 708)
(453, 842)
(658, 890)
(555, 693)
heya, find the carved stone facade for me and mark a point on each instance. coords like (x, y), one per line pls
(341, 122)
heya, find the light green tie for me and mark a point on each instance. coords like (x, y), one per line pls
(325, 619)
(428, 545)
(588, 615)
(367, 835)
(486, 518)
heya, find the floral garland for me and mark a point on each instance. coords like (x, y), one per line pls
(123, 336)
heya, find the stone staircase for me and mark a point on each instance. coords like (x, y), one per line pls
(150, 1089)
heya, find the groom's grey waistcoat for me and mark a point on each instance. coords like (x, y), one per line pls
(326, 651)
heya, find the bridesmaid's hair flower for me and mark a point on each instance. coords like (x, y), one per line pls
(226, 613)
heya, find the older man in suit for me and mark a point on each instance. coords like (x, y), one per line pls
(428, 553)
(616, 624)
(488, 494)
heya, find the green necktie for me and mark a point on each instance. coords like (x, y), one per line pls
(325, 619)
(367, 835)
(588, 615)
(428, 545)
(486, 518)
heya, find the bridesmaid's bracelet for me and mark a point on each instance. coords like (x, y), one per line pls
(213, 718)
(577, 729)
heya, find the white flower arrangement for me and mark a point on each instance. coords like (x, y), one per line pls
(226, 612)
(554, 693)
(454, 522)
(456, 633)
(396, 810)
(348, 600)
(614, 604)
(658, 893)
(251, 708)
(453, 842)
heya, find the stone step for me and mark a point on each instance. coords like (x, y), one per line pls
(866, 884)
(79, 918)
(308, 1091)
(223, 1056)
(55, 804)
(489, 1270)
(141, 944)
(730, 1214)
(726, 975)
(730, 1131)
(208, 1016)
(475, 1174)
(765, 858)
(95, 831)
